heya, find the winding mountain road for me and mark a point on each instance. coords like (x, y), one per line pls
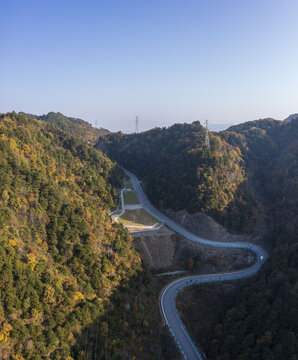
(168, 306)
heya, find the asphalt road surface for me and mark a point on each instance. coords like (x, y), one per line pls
(168, 306)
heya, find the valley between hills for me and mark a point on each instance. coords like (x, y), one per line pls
(76, 284)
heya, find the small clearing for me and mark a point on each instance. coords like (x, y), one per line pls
(138, 219)
(130, 198)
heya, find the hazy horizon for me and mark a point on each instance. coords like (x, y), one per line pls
(166, 62)
(212, 126)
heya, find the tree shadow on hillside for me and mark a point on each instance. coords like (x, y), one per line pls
(130, 326)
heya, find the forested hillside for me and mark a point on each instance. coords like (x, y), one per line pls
(246, 165)
(180, 172)
(270, 151)
(263, 320)
(63, 262)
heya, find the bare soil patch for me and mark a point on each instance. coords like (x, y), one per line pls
(165, 251)
(208, 228)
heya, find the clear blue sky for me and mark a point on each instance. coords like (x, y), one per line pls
(165, 60)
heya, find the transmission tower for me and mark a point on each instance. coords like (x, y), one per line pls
(137, 124)
(207, 140)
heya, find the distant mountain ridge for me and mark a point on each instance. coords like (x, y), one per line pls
(72, 125)
(263, 124)
(260, 123)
